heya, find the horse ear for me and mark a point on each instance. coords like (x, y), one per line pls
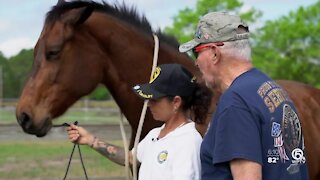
(77, 16)
(60, 2)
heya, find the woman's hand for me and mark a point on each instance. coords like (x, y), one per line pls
(80, 135)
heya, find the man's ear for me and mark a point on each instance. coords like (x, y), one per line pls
(215, 54)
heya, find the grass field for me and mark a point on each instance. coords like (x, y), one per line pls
(48, 160)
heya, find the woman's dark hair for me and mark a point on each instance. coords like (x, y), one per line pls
(198, 103)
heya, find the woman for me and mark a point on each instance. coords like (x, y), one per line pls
(172, 150)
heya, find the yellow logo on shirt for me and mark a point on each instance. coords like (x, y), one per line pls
(162, 156)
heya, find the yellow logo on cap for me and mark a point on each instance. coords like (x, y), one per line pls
(146, 96)
(155, 74)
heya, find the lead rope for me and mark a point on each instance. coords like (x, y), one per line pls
(126, 148)
(70, 158)
(144, 109)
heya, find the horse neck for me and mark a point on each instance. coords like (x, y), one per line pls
(128, 59)
(125, 59)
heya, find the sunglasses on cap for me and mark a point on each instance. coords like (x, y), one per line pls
(199, 48)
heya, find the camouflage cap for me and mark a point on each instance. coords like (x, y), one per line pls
(216, 27)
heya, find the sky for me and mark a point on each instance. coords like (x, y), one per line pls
(21, 21)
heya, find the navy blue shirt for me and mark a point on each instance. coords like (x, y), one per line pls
(254, 120)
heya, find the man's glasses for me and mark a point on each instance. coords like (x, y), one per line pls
(199, 48)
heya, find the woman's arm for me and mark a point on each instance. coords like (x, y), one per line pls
(112, 152)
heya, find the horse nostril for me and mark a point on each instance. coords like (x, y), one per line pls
(25, 120)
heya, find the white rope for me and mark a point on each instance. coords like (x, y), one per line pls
(144, 109)
(126, 148)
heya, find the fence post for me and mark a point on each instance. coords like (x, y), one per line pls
(86, 108)
(1, 86)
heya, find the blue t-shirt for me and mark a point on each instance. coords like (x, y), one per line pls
(255, 120)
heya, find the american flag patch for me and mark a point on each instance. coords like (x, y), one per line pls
(276, 129)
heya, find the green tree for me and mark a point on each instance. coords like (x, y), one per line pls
(2, 58)
(3, 62)
(16, 73)
(185, 23)
(288, 48)
(100, 93)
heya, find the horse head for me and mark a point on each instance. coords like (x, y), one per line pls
(81, 45)
(56, 80)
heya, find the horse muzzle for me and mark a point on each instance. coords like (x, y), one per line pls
(28, 126)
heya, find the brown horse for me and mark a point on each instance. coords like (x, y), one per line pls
(83, 44)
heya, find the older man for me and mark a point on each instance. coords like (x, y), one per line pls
(255, 132)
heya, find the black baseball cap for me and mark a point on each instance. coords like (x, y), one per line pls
(167, 80)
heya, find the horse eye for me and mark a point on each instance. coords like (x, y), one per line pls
(52, 54)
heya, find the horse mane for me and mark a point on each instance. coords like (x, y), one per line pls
(123, 12)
